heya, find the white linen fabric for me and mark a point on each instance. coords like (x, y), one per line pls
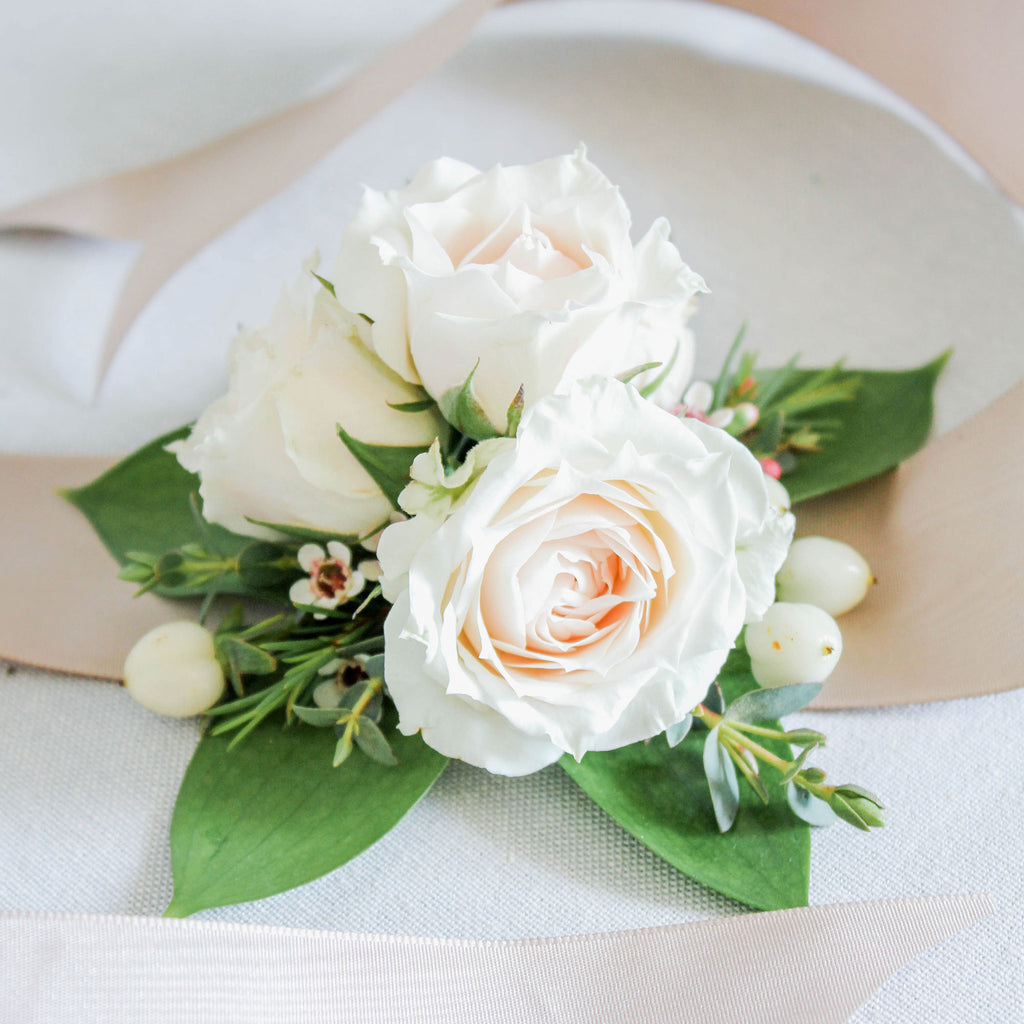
(833, 228)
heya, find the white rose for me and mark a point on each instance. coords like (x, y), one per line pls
(269, 449)
(585, 591)
(526, 273)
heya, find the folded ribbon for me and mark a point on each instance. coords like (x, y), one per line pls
(812, 965)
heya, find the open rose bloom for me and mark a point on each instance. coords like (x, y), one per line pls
(584, 591)
(525, 274)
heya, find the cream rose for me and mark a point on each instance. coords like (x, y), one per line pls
(269, 449)
(526, 273)
(583, 591)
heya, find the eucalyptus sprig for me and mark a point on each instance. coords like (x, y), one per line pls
(734, 744)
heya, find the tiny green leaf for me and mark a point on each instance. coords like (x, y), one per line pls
(515, 412)
(327, 284)
(634, 371)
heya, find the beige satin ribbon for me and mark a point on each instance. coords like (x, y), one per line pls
(814, 965)
(943, 536)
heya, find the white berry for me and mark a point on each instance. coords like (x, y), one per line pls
(173, 670)
(793, 643)
(824, 572)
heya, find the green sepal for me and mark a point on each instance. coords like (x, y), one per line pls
(462, 409)
(388, 465)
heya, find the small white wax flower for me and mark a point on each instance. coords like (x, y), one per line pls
(174, 671)
(793, 643)
(331, 580)
(826, 573)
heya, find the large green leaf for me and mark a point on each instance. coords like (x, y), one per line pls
(660, 795)
(142, 504)
(887, 422)
(271, 813)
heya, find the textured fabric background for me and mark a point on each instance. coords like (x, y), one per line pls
(832, 227)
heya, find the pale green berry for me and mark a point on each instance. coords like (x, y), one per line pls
(793, 643)
(824, 572)
(173, 670)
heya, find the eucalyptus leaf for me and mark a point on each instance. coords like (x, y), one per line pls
(722, 781)
(809, 808)
(774, 702)
(675, 734)
(374, 666)
(388, 465)
(660, 795)
(371, 741)
(142, 504)
(318, 717)
(272, 813)
(887, 422)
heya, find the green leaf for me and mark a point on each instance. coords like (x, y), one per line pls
(887, 422)
(660, 795)
(462, 409)
(760, 705)
(373, 743)
(306, 533)
(272, 813)
(248, 659)
(648, 389)
(320, 718)
(388, 464)
(143, 505)
(420, 406)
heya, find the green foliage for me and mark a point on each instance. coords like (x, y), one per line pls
(388, 465)
(143, 506)
(273, 814)
(660, 795)
(462, 409)
(888, 420)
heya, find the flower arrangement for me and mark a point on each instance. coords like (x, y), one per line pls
(501, 523)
